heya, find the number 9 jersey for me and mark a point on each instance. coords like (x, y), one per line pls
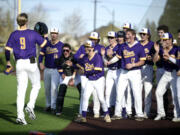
(23, 43)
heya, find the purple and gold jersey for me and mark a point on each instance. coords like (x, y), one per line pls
(81, 50)
(51, 53)
(131, 54)
(114, 65)
(167, 65)
(93, 67)
(148, 50)
(23, 43)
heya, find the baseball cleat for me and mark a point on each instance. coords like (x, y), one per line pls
(175, 119)
(21, 121)
(81, 119)
(139, 118)
(115, 117)
(107, 118)
(96, 116)
(58, 113)
(31, 113)
(159, 117)
(145, 116)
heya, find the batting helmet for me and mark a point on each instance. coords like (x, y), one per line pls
(41, 28)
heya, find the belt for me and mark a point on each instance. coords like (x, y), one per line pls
(113, 68)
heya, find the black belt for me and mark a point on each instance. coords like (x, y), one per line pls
(113, 68)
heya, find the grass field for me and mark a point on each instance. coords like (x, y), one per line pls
(45, 122)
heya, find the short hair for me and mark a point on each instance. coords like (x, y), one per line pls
(165, 28)
(132, 31)
(22, 19)
(67, 45)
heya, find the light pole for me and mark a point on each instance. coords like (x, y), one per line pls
(112, 13)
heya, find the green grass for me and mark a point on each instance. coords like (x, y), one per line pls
(45, 122)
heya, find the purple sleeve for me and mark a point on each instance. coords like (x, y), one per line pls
(10, 41)
(39, 39)
(79, 52)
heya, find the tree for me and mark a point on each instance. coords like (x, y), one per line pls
(171, 15)
(74, 24)
(38, 13)
(152, 27)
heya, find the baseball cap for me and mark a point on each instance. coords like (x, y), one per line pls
(94, 35)
(167, 36)
(89, 43)
(127, 26)
(54, 30)
(145, 31)
(121, 34)
(111, 34)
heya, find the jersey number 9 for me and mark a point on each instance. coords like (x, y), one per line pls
(23, 43)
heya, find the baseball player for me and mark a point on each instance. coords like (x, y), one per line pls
(95, 38)
(147, 69)
(23, 43)
(94, 71)
(52, 51)
(160, 70)
(169, 76)
(132, 57)
(113, 72)
(66, 67)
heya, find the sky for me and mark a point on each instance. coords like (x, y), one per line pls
(132, 11)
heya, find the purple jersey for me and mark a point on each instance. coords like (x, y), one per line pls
(23, 43)
(148, 50)
(93, 67)
(167, 65)
(178, 58)
(51, 53)
(116, 65)
(131, 54)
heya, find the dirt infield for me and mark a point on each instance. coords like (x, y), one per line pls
(126, 126)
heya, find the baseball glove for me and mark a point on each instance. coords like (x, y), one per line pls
(41, 28)
(9, 69)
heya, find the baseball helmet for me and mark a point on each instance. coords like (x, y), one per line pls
(121, 34)
(41, 28)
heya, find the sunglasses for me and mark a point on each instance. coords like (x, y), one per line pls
(65, 50)
(110, 37)
(142, 34)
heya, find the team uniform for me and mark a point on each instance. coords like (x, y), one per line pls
(147, 78)
(84, 79)
(94, 71)
(111, 77)
(51, 52)
(23, 44)
(130, 55)
(169, 77)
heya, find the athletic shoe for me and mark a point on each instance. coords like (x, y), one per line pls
(81, 119)
(107, 118)
(159, 117)
(139, 118)
(31, 113)
(53, 111)
(96, 115)
(58, 113)
(48, 109)
(145, 116)
(115, 117)
(21, 121)
(175, 119)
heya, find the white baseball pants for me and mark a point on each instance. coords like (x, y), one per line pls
(168, 77)
(25, 70)
(134, 79)
(97, 85)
